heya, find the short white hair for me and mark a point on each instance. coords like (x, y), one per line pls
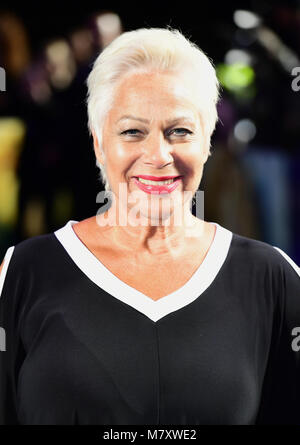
(145, 50)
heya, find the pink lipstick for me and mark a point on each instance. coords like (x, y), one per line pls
(148, 185)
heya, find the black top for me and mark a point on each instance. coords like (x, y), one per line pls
(83, 347)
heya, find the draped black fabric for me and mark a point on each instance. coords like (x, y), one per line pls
(77, 355)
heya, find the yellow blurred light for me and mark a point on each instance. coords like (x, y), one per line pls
(236, 76)
(12, 132)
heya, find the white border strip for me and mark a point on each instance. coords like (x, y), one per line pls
(3, 272)
(289, 260)
(153, 309)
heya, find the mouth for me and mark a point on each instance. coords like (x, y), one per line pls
(157, 184)
(156, 180)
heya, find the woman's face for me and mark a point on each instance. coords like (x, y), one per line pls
(154, 129)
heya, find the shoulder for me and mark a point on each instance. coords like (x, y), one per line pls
(27, 256)
(261, 256)
(33, 249)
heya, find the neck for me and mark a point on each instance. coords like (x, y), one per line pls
(154, 236)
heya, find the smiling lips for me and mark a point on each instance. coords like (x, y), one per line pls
(157, 184)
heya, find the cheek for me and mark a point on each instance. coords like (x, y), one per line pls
(119, 158)
(197, 152)
(117, 153)
(191, 160)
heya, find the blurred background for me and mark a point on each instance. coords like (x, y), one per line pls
(48, 173)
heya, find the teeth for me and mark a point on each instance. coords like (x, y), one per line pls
(147, 181)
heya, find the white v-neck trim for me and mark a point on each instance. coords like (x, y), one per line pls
(153, 309)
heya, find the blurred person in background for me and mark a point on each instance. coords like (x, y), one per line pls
(15, 58)
(229, 193)
(109, 27)
(56, 147)
(48, 139)
(261, 147)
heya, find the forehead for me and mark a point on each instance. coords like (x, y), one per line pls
(154, 93)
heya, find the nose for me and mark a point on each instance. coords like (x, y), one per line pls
(158, 152)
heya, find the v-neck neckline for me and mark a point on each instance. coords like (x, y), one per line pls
(201, 279)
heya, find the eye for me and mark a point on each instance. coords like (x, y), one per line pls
(181, 131)
(130, 132)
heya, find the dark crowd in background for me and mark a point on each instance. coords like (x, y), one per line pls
(48, 171)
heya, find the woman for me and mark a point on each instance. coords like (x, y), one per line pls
(158, 319)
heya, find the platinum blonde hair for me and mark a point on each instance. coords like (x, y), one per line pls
(145, 50)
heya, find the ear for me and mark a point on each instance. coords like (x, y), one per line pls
(98, 151)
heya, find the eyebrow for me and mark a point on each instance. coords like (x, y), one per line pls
(146, 121)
